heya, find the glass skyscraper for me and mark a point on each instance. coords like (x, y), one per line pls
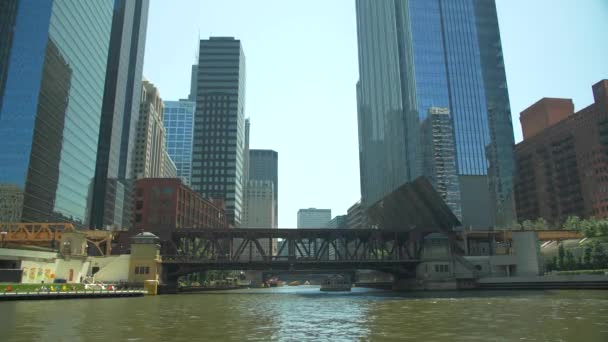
(219, 124)
(414, 55)
(120, 111)
(51, 105)
(179, 128)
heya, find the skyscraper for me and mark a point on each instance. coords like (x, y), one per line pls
(8, 14)
(313, 218)
(179, 127)
(51, 105)
(414, 55)
(264, 166)
(120, 111)
(149, 156)
(219, 124)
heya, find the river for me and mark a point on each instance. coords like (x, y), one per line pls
(306, 314)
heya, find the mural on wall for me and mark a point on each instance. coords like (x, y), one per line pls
(35, 274)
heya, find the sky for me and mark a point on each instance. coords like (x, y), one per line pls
(302, 67)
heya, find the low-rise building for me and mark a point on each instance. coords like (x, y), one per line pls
(163, 205)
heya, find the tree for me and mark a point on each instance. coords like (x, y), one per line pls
(601, 227)
(570, 261)
(561, 253)
(587, 255)
(527, 225)
(572, 223)
(540, 224)
(599, 256)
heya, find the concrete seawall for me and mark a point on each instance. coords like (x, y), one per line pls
(546, 282)
(69, 295)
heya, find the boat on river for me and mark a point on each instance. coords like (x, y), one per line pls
(336, 283)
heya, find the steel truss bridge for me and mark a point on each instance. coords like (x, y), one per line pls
(196, 250)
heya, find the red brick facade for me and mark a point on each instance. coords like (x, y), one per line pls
(562, 170)
(163, 205)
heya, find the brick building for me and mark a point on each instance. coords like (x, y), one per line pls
(563, 160)
(163, 205)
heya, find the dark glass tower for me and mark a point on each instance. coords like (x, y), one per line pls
(120, 110)
(219, 124)
(51, 106)
(8, 13)
(414, 55)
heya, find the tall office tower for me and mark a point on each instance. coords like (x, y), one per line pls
(51, 105)
(264, 166)
(219, 124)
(313, 218)
(439, 156)
(149, 156)
(119, 114)
(414, 55)
(8, 14)
(179, 126)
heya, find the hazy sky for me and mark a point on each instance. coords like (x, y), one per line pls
(302, 70)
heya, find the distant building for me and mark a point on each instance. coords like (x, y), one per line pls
(313, 218)
(169, 168)
(150, 143)
(339, 222)
(53, 60)
(264, 166)
(11, 202)
(219, 134)
(179, 128)
(439, 156)
(259, 211)
(356, 218)
(563, 160)
(164, 205)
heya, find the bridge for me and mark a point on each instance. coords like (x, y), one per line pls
(330, 250)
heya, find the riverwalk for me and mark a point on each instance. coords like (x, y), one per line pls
(43, 295)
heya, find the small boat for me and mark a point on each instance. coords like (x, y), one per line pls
(336, 283)
(275, 282)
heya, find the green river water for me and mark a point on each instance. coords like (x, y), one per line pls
(306, 314)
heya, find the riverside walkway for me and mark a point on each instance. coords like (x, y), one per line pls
(42, 295)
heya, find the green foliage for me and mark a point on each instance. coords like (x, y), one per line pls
(600, 260)
(570, 262)
(561, 253)
(591, 227)
(587, 255)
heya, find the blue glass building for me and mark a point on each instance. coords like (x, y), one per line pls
(179, 125)
(51, 105)
(415, 55)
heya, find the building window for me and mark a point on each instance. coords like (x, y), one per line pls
(442, 268)
(142, 270)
